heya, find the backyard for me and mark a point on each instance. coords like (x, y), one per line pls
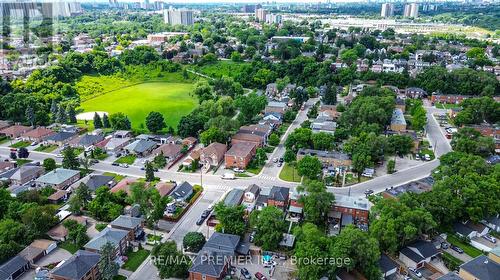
(172, 100)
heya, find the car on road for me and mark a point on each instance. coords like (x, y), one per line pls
(490, 238)
(205, 214)
(34, 143)
(94, 161)
(281, 160)
(115, 164)
(260, 276)
(238, 170)
(228, 176)
(427, 157)
(445, 245)
(407, 277)
(275, 160)
(200, 221)
(415, 271)
(368, 192)
(456, 249)
(124, 165)
(59, 156)
(417, 157)
(280, 164)
(245, 273)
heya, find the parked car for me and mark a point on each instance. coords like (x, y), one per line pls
(228, 176)
(200, 221)
(281, 160)
(280, 164)
(238, 170)
(444, 245)
(34, 143)
(415, 271)
(456, 249)
(115, 164)
(490, 238)
(275, 160)
(245, 273)
(124, 165)
(368, 192)
(205, 214)
(260, 276)
(427, 157)
(417, 157)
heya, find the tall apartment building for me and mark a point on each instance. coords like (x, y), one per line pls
(260, 15)
(274, 18)
(387, 10)
(411, 10)
(178, 16)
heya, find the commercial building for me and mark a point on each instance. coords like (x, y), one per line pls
(387, 10)
(178, 16)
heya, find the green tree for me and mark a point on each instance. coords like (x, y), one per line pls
(270, 226)
(213, 134)
(317, 202)
(310, 167)
(250, 105)
(236, 56)
(160, 161)
(70, 109)
(61, 115)
(70, 159)
(105, 121)
(274, 140)
(30, 115)
(323, 141)
(360, 161)
(289, 156)
(150, 175)
(193, 241)
(77, 233)
(171, 262)
(312, 245)
(80, 199)
(469, 140)
(391, 166)
(119, 121)
(155, 122)
(330, 96)
(97, 120)
(230, 218)
(108, 268)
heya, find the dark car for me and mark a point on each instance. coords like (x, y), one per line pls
(444, 245)
(368, 192)
(281, 160)
(115, 164)
(245, 273)
(205, 214)
(456, 249)
(200, 221)
(260, 276)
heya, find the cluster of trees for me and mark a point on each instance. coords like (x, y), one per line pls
(477, 111)
(469, 140)
(418, 114)
(107, 206)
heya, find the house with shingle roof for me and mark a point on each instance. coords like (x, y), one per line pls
(116, 144)
(222, 248)
(117, 237)
(82, 265)
(482, 267)
(59, 178)
(123, 185)
(418, 253)
(182, 192)
(170, 151)
(141, 147)
(37, 134)
(87, 140)
(23, 174)
(60, 138)
(398, 122)
(15, 130)
(240, 155)
(213, 154)
(278, 197)
(133, 225)
(37, 249)
(165, 188)
(14, 268)
(93, 182)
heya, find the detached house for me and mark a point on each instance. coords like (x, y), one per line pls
(134, 226)
(23, 174)
(83, 265)
(59, 178)
(278, 197)
(141, 147)
(213, 154)
(240, 155)
(418, 253)
(182, 192)
(117, 237)
(37, 134)
(170, 151)
(15, 131)
(398, 122)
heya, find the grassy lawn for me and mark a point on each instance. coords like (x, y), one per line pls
(129, 159)
(20, 144)
(135, 259)
(289, 173)
(350, 179)
(46, 148)
(468, 249)
(117, 177)
(173, 100)
(68, 246)
(22, 161)
(4, 139)
(450, 261)
(255, 170)
(446, 106)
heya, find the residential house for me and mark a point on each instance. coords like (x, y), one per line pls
(37, 134)
(58, 197)
(387, 266)
(417, 254)
(86, 140)
(117, 237)
(170, 151)
(37, 249)
(250, 196)
(59, 231)
(330, 110)
(414, 92)
(295, 208)
(60, 138)
(213, 154)
(134, 226)
(15, 131)
(93, 182)
(278, 196)
(256, 133)
(4, 124)
(450, 276)
(193, 156)
(234, 197)
(416, 187)
(59, 178)
(398, 122)
(214, 259)
(14, 268)
(334, 158)
(6, 165)
(448, 98)
(140, 147)
(122, 134)
(272, 119)
(83, 265)
(470, 229)
(482, 267)
(323, 123)
(189, 142)
(276, 107)
(401, 104)
(350, 210)
(182, 192)
(23, 174)
(240, 155)
(116, 144)
(493, 222)
(165, 188)
(123, 185)
(159, 139)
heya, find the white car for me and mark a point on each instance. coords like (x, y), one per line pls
(427, 157)
(490, 238)
(59, 156)
(238, 170)
(228, 176)
(415, 271)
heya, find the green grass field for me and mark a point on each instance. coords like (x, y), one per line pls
(468, 249)
(128, 159)
(173, 100)
(135, 259)
(222, 68)
(289, 173)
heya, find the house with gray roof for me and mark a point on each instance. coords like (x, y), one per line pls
(334, 158)
(116, 144)
(450, 276)
(14, 268)
(418, 253)
(82, 265)
(141, 147)
(117, 237)
(87, 140)
(24, 174)
(234, 197)
(59, 178)
(398, 122)
(182, 192)
(134, 226)
(213, 259)
(61, 138)
(482, 267)
(93, 182)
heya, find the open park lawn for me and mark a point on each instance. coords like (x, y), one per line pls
(128, 159)
(173, 100)
(135, 259)
(289, 173)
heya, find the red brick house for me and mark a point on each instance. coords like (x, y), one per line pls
(278, 197)
(240, 155)
(15, 130)
(448, 98)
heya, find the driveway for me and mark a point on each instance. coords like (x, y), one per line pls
(55, 256)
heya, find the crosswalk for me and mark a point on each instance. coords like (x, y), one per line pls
(267, 177)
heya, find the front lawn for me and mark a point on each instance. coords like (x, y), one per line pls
(289, 173)
(255, 170)
(135, 259)
(20, 144)
(22, 161)
(68, 246)
(46, 148)
(468, 249)
(4, 139)
(117, 177)
(129, 159)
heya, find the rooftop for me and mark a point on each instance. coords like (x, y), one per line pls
(352, 202)
(398, 117)
(77, 266)
(57, 176)
(128, 222)
(482, 268)
(114, 236)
